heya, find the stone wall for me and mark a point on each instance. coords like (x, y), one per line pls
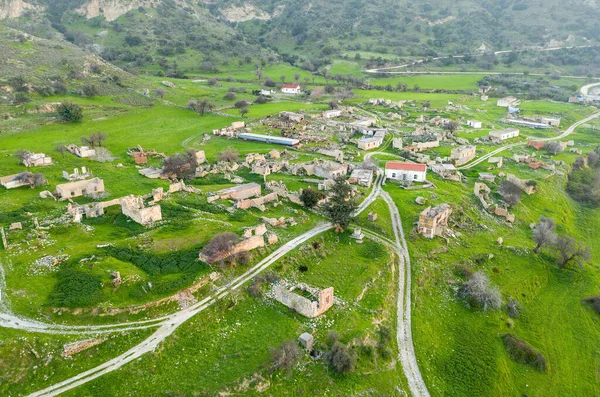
(258, 202)
(307, 307)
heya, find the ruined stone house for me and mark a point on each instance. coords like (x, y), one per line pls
(134, 207)
(463, 154)
(80, 188)
(433, 221)
(308, 301)
(81, 151)
(37, 160)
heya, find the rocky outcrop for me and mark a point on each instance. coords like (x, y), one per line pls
(243, 13)
(112, 9)
(15, 8)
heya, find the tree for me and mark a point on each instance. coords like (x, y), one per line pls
(317, 93)
(297, 76)
(426, 105)
(544, 234)
(160, 93)
(451, 126)
(342, 205)
(220, 247)
(203, 106)
(570, 251)
(332, 105)
(69, 112)
(554, 148)
(90, 90)
(38, 180)
(310, 197)
(282, 78)
(269, 82)
(285, 355)
(341, 358)
(60, 149)
(243, 111)
(329, 88)
(510, 192)
(94, 139)
(259, 73)
(230, 96)
(241, 104)
(21, 155)
(181, 165)
(261, 100)
(480, 292)
(21, 98)
(229, 155)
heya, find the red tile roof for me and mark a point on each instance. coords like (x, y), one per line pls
(296, 86)
(396, 165)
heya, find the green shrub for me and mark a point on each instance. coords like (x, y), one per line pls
(522, 353)
(76, 289)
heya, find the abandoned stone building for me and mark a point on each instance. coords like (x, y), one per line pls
(463, 154)
(309, 301)
(80, 188)
(81, 151)
(240, 192)
(433, 221)
(134, 207)
(361, 176)
(369, 143)
(77, 175)
(14, 181)
(36, 160)
(330, 169)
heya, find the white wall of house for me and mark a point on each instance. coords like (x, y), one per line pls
(401, 175)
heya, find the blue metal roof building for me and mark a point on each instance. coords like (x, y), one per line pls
(277, 140)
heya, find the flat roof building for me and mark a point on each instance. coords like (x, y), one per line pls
(277, 140)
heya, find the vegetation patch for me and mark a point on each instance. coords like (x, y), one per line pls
(521, 352)
(76, 289)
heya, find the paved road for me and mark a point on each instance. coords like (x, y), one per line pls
(565, 134)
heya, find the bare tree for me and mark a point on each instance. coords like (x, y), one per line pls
(341, 358)
(220, 247)
(181, 165)
(21, 155)
(202, 106)
(160, 93)
(285, 355)
(554, 147)
(60, 149)
(451, 126)
(243, 111)
(317, 93)
(229, 155)
(259, 73)
(571, 251)
(479, 291)
(544, 234)
(510, 192)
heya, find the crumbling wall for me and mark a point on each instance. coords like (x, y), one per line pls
(258, 202)
(133, 207)
(306, 307)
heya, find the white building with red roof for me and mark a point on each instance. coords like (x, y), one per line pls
(399, 171)
(291, 89)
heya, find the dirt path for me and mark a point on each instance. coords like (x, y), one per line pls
(171, 323)
(565, 134)
(421, 61)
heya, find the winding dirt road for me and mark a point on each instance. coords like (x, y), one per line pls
(565, 134)
(168, 326)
